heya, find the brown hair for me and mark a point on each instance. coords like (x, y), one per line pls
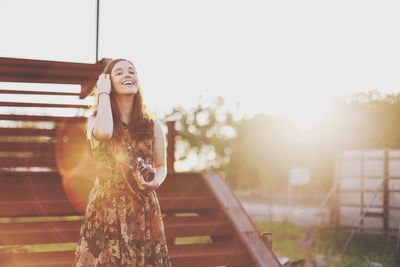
(141, 125)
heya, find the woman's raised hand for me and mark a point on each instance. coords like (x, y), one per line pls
(103, 84)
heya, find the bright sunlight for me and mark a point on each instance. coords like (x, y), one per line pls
(306, 113)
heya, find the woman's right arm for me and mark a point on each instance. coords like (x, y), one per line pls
(100, 126)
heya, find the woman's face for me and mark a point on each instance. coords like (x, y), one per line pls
(124, 78)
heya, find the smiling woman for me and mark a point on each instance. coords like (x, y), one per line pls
(123, 224)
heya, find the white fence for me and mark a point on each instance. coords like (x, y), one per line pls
(369, 183)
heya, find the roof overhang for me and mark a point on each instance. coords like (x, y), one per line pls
(42, 71)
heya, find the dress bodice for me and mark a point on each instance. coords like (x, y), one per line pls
(116, 158)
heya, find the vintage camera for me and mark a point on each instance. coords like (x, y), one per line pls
(145, 170)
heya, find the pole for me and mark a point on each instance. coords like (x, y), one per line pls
(386, 193)
(97, 30)
(171, 146)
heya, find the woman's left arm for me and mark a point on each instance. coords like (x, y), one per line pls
(159, 154)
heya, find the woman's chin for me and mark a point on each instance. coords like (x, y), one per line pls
(130, 91)
(133, 90)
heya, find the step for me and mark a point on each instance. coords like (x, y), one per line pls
(193, 255)
(72, 120)
(42, 232)
(374, 214)
(42, 105)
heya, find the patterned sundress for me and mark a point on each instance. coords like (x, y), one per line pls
(122, 226)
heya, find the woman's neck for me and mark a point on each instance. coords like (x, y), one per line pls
(125, 105)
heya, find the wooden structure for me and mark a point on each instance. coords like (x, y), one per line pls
(44, 170)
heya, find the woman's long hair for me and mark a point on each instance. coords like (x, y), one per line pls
(141, 125)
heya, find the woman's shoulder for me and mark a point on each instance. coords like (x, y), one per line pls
(158, 131)
(156, 123)
(157, 126)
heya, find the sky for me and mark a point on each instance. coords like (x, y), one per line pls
(286, 57)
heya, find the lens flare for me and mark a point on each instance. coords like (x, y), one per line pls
(75, 164)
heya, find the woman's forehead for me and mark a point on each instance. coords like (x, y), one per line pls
(123, 65)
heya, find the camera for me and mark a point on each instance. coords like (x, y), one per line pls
(145, 170)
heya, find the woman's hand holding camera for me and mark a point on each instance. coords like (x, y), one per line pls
(147, 175)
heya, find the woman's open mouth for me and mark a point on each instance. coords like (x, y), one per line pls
(128, 83)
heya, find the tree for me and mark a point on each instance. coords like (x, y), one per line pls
(258, 152)
(204, 135)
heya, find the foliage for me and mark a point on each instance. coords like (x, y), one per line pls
(206, 132)
(266, 147)
(363, 250)
(368, 120)
(258, 152)
(261, 152)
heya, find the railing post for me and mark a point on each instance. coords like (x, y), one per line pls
(171, 146)
(267, 238)
(386, 193)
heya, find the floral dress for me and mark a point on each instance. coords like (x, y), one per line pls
(122, 224)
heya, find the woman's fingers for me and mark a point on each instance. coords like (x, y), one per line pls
(148, 185)
(103, 83)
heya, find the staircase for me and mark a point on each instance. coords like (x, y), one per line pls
(46, 173)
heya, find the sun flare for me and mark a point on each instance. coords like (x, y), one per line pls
(307, 113)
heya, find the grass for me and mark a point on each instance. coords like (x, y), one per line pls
(363, 251)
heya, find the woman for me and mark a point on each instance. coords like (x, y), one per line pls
(122, 223)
